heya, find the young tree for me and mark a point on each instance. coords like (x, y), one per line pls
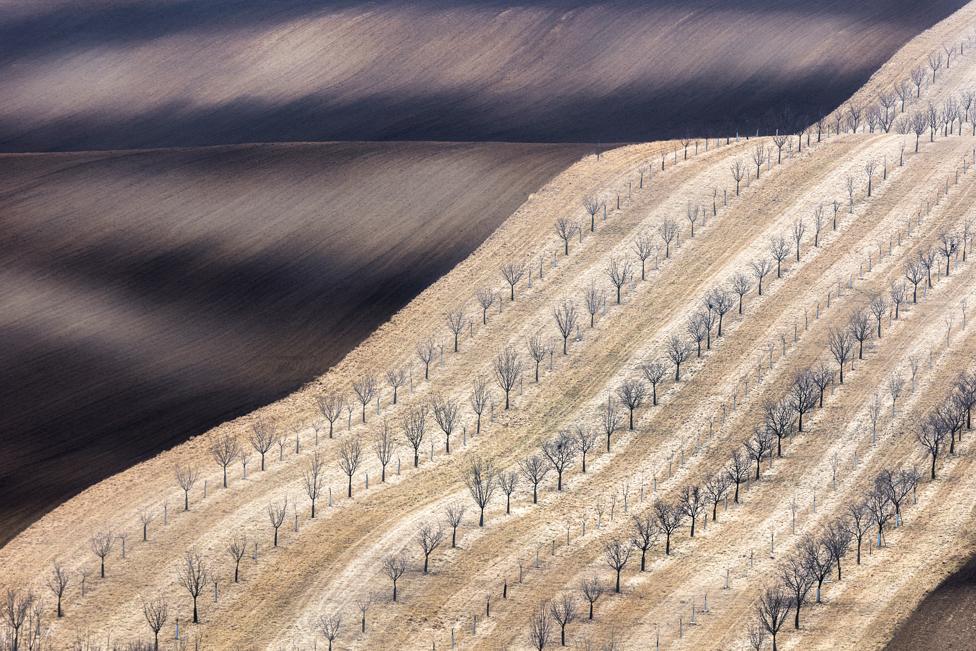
(966, 394)
(454, 513)
(669, 517)
(592, 589)
(878, 307)
(480, 480)
(584, 440)
(841, 344)
(716, 487)
(644, 534)
(738, 173)
(513, 272)
(276, 515)
(741, 286)
(616, 553)
(654, 371)
(931, 435)
(860, 330)
(396, 378)
(668, 231)
(759, 446)
(384, 445)
(797, 579)
(537, 351)
(897, 295)
(193, 574)
(58, 581)
(186, 477)
(486, 298)
(236, 549)
(508, 482)
(426, 351)
(446, 413)
(948, 245)
(609, 419)
(759, 156)
(540, 628)
(364, 604)
(263, 436)
(799, 228)
(818, 560)
(918, 124)
(631, 394)
(414, 425)
(146, 516)
(563, 611)
(760, 269)
(480, 397)
(869, 168)
(927, 259)
(678, 351)
(331, 407)
(429, 539)
(566, 229)
(102, 544)
(778, 420)
(772, 610)
(692, 216)
(456, 320)
(737, 471)
(803, 395)
(225, 450)
(313, 478)
(822, 376)
(858, 523)
(535, 469)
(596, 299)
(644, 249)
(719, 301)
(692, 504)
(836, 539)
(779, 249)
(618, 274)
(591, 205)
(329, 627)
(365, 389)
(508, 371)
(560, 453)
(156, 612)
(698, 327)
(566, 318)
(394, 566)
(780, 141)
(880, 507)
(350, 454)
(935, 63)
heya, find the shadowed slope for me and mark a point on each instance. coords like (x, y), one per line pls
(128, 73)
(148, 296)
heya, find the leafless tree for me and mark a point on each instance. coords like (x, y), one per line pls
(698, 327)
(584, 439)
(454, 512)
(384, 445)
(146, 516)
(918, 79)
(897, 295)
(669, 517)
(692, 504)
(919, 123)
(225, 450)
(822, 376)
(797, 579)
(716, 487)
(480, 397)
(566, 229)
(631, 393)
(540, 628)
(668, 231)
(803, 395)
(592, 589)
(564, 613)
(456, 320)
(513, 272)
(414, 425)
(364, 604)
(860, 330)
(429, 539)
(880, 508)
(331, 407)
(537, 351)
(869, 168)
(759, 446)
(840, 341)
(102, 544)
(566, 319)
(678, 351)
(396, 378)
(837, 539)
(720, 301)
(618, 273)
(778, 418)
(446, 413)
(780, 141)
(508, 482)
(965, 385)
(609, 419)
(263, 436)
(644, 249)
(772, 610)
(508, 371)
(560, 453)
(480, 480)
(692, 215)
(858, 522)
(156, 612)
(741, 286)
(276, 515)
(757, 636)
(394, 566)
(193, 574)
(365, 390)
(58, 581)
(931, 435)
(759, 156)
(738, 173)
(926, 258)
(903, 92)
(535, 470)
(799, 228)
(426, 351)
(236, 549)
(186, 477)
(596, 299)
(878, 306)
(313, 478)
(329, 627)
(644, 534)
(948, 245)
(760, 269)
(737, 471)
(935, 63)
(780, 250)
(654, 371)
(350, 455)
(591, 205)
(616, 553)
(486, 298)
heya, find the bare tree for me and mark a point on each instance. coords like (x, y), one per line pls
(927, 259)
(931, 435)
(480, 397)
(592, 589)
(394, 567)
(644, 249)
(365, 390)
(329, 627)
(313, 479)
(644, 534)
(698, 327)
(609, 419)
(535, 470)
(678, 351)
(486, 298)
(618, 274)
(263, 436)
(966, 394)
(692, 214)
(513, 272)
(897, 294)
(560, 453)
(878, 306)
(564, 613)
(540, 628)
(384, 445)
(737, 471)
(186, 477)
(58, 581)
(276, 515)
(616, 553)
(591, 205)
(480, 480)
(102, 544)
(841, 344)
(692, 504)
(446, 413)
(760, 269)
(919, 123)
(741, 286)
(822, 376)
(508, 371)
(669, 517)
(454, 513)
(948, 245)
(654, 371)
(596, 299)
(860, 330)
(426, 351)
(508, 482)
(350, 455)
(759, 156)
(584, 440)
(566, 318)
(837, 539)
(779, 249)
(537, 351)
(364, 604)
(918, 79)
(331, 407)
(757, 637)
(193, 574)
(236, 549)
(396, 378)
(429, 539)
(778, 420)
(879, 506)
(631, 393)
(156, 612)
(414, 426)
(668, 231)
(803, 395)
(456, 321)
(798, 580)
(858, 523)
(225, 450)
(146, 516)
(716, 487)
(759, 446)
(935, 63)
(566, 229)
(772, 610)
(738, 173)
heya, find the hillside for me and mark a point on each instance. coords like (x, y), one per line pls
(148, 296)
(106, 74)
